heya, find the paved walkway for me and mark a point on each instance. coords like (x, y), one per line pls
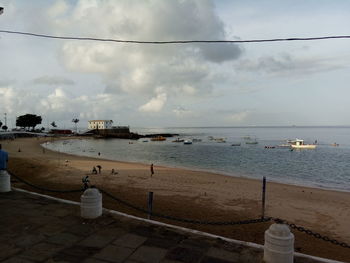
(36, 229)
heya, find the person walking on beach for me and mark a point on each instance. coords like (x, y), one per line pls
(4, 158)
(152, 170)
(94, 171)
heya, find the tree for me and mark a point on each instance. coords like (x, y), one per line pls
(0, 123)
(4, 128)
(28, 120)
(75, 122)
(53, 124)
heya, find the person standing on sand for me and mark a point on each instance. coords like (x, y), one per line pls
(99, 167)
(152, 170)
(4, 158)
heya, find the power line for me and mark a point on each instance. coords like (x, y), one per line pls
(174, 41)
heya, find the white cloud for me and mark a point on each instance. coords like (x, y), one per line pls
(155, 104)
(140, 69)
(53, 80)
(181, 112)
(238, 117)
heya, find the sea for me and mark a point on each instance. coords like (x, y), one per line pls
(326, 167)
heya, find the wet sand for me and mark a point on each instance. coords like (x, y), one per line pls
(193, 194)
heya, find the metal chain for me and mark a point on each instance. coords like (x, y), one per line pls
(186, 220)
(311, 233)
(85, 181)
(46, 189)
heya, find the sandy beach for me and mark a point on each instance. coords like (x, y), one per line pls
(192, 194)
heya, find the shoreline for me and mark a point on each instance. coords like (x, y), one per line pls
(194, 194)
(199, 170)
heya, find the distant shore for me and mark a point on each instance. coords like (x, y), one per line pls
(192, 194)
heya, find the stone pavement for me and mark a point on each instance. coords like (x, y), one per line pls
(36, 229)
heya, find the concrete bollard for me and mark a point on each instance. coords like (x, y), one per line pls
(5, 182)
(279, 244)
(91, 204)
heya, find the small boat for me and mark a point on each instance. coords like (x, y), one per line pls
(236, 144)
(283, 146)
(158, 138)
(187, 142)
(299, 144)
(179, 140)
(251, 142)
(145, 141)
(220, 140)
(335, 144)
(269, 147)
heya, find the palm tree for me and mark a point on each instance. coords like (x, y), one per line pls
(75, 122)
(53, 124)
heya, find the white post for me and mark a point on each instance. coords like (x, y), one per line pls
(279, 244)
(91, 204)
(5, 182)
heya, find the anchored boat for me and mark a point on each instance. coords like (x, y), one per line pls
(299, 144)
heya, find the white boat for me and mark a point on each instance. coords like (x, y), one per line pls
(187, 142)
(299, 144)
(179, 140)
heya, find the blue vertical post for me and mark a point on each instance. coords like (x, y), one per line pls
(150, 204)
(263, 198)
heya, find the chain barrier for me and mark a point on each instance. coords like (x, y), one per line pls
(86, 183)
(46, 189)
(185, 220)
(311, 233)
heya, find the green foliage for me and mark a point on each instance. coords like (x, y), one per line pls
(4, 128)
(28, 120)
(53, 124)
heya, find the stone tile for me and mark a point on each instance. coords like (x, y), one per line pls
(147, 254)
(51, 229)
(81, 230)
(64, 258)
(217, 260)
(29, 240)
(102, 238)
(170, 261)
(184, 254)
(40, 252)
(16, 260)
(160, 242)
(130, 241)
(199, 243)
(251, 255)
(60, 212)
(64, 239)
(8, 250)
(93, 260)
(142, 230)
(222, 254)
(78, 251)
(114, 254)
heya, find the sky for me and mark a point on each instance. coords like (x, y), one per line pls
(188, 85)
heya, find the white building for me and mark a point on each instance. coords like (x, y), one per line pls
(100, 124)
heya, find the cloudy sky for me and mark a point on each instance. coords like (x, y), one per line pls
(281, 83)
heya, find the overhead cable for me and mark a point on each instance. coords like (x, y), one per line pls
(173, 41)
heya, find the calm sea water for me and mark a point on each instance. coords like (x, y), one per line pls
(326, 166)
